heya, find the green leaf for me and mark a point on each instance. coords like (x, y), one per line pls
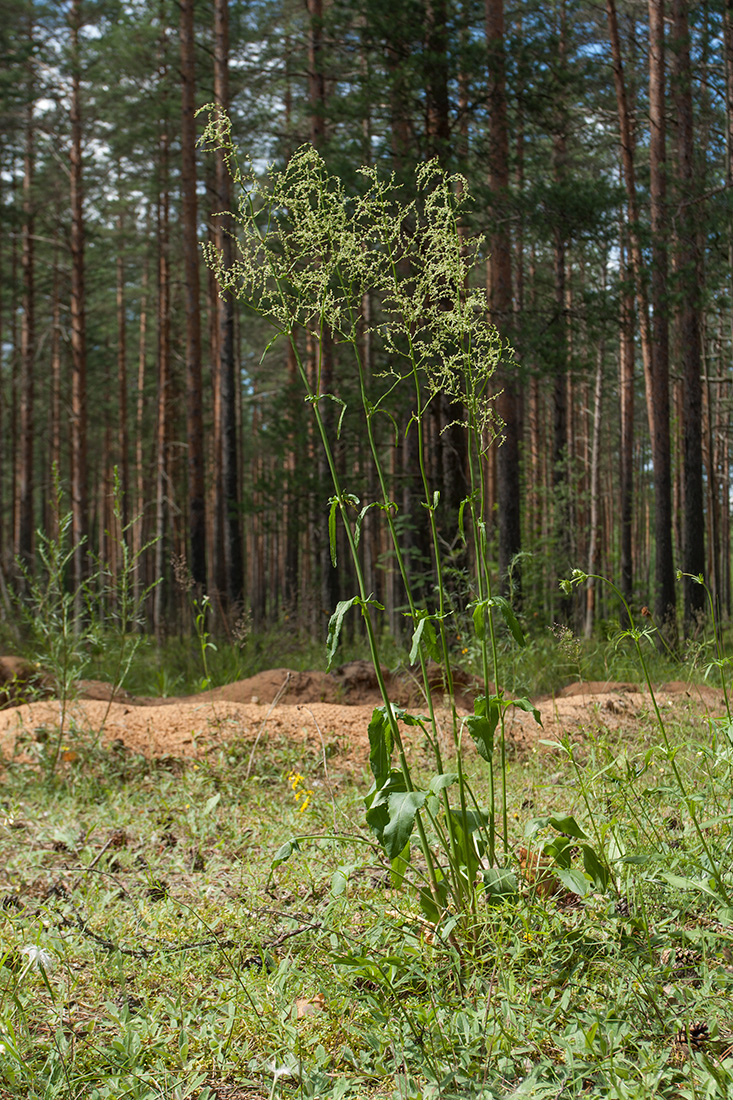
(339, 882)
(381, 742)
(475, 819)
(572, 880)
(509, 618)
(398, 867)
(334, 627)
(377, 802)
(433, 909)
(424, 631)
(212, 802)
(284, 853)
(566, 823)
(478, 619)
(559, 849)
(332, 529)
(689, 884)
(598, 872)
(461, 530)
(441, 781)
(470, 847)
(529, 707)
(403, 807)
(482, 725)
(360, 520)
(499, 882)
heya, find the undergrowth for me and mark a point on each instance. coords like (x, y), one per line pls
(150, 950)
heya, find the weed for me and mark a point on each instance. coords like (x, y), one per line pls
(309, 256)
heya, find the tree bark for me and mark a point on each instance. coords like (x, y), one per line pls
(190, 242)
(138, 529)
(231, 576)
(626, 440)
(160, 595)
(665, 600)
(500, 299)
(322, 364)
(79, 473)
(595, 492)
(688, 323)
(54, 426)
(123, 434)
(24, 535)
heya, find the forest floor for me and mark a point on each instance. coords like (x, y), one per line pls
(328, 714)
(157, 940)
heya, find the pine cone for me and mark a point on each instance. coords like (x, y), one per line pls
(624, 907)
(687, 1040)
(684, 962)
(699, 1035)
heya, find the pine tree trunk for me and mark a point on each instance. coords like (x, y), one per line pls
(160, 595)
(595, 493)
(190, 243)
(688, 323)
(54, 405)
(123, 442)
(626, 441)
(231, 583)
(79, 474)
(322, 363)
(24, 535)
(665, 599)
(138, 530)
(500, 302)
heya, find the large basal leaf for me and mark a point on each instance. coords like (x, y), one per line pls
(566, 823)
(468, 851)
(403, 808)
(474, 819)
(376, 802)
(432, 901)
(499, 882)
(398, 867)
(593, 867)
(574, 881)
(381, 743)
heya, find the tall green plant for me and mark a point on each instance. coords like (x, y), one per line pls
(67, 626)
(308, 254)
(63, 633)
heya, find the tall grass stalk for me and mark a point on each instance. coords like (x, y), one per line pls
(307, 256)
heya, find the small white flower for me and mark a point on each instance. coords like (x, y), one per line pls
(38, 957)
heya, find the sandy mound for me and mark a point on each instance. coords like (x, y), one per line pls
(326, 713)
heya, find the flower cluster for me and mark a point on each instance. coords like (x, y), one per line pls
(308, 252)
(301, 794)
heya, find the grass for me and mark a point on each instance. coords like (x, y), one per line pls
(550, 660)
(149, 952)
